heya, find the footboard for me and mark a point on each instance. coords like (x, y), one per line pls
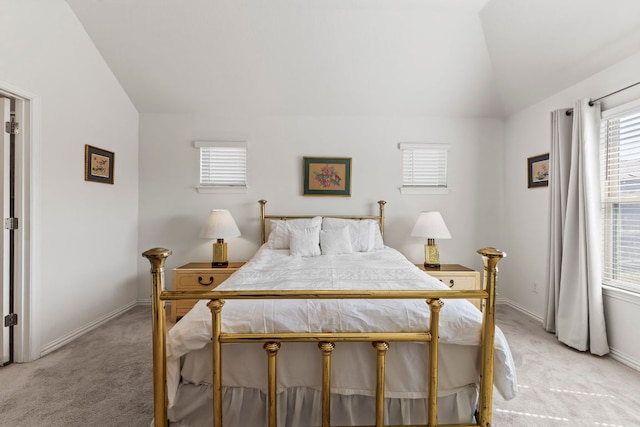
(326, 341)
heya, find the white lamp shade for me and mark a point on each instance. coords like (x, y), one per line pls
(220, 225)
(431, 225)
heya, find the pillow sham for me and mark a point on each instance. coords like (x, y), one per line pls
(279, 234)
(364, 233)
(304, 242)
(376, 235)
(358, 231)
(335, 242)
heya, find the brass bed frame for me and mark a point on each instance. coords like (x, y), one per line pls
(326, 341)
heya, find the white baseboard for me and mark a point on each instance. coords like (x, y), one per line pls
(65, 339)
(624, 359)
(519, 308)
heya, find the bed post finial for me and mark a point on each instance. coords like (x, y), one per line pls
(490, 257)
(157, 257)
(263, 231)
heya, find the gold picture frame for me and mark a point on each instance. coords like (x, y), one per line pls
(98, 164)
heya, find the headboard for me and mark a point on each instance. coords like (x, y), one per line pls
(264, 217)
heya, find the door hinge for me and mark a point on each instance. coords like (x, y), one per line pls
(12, 127)
(10, 320)
(11, 223)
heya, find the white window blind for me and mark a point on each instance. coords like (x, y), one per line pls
(223, 164)
(620, 178)
(424, 167)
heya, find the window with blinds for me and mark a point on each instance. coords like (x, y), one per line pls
(620, 173)
(424, 168)
(223, 165)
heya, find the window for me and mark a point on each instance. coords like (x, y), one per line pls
(424, 168)
(223, 166)
(620, 178)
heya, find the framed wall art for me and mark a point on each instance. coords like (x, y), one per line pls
(538, 170)
(327, 176)
(98, 165)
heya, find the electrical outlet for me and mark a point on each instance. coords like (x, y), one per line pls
(535, 287)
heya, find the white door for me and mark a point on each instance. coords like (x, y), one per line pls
(5, 114)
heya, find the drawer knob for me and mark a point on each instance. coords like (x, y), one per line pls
(206, 284)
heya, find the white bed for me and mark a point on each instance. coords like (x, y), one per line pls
(353, 383)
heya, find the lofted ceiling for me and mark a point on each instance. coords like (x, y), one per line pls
(470, 58)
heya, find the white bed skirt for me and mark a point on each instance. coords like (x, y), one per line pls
(302, 407)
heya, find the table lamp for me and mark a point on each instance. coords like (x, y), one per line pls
(220, 225)
(432, 226)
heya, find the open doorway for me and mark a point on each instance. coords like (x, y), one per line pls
(9, 224)
(17, 343)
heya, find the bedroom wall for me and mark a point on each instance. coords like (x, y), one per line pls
(172, 212)
(527, 133)
(85, 234)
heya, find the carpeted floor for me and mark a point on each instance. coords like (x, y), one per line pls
(92, 382)
(559, 386)
(100, 379)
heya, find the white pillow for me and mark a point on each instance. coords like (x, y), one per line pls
(358, 231)
(376, 236)
(304, 241)
(279, 234)
(364, 233)
(335, 242)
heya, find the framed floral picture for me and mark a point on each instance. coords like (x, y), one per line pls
(327, 176)
(98, 165)
(538, 170)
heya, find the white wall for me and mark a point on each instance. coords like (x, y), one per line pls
(85, 239)
(527, 133)
(172, 212)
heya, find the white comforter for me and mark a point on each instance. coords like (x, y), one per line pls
(460, 324)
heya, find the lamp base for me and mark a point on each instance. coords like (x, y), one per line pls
(431, 254)
(219, 254)
(220, 264)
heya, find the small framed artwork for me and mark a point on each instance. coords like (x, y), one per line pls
(327, 176)
(98, 165)
(538, 170)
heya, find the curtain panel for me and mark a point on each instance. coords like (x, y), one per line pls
(575, 311)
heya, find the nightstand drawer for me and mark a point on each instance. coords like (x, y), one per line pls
(459, 283)
(197, 276)
(457, 277)
(199, 280)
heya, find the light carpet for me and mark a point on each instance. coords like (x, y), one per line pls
(559, 386)
(104, 379)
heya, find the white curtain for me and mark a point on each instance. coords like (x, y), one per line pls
(575, 309)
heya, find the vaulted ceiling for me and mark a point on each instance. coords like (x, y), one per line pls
(475, 58)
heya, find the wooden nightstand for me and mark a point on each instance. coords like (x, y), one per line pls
(197, 276)
(457, 277)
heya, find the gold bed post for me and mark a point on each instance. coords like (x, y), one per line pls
(326, 348)
(381, 347)
(157, 257)
(263, 231)
(272, 399)
(490, 257)
(216, 359)
(434, 327)
(381, 204)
